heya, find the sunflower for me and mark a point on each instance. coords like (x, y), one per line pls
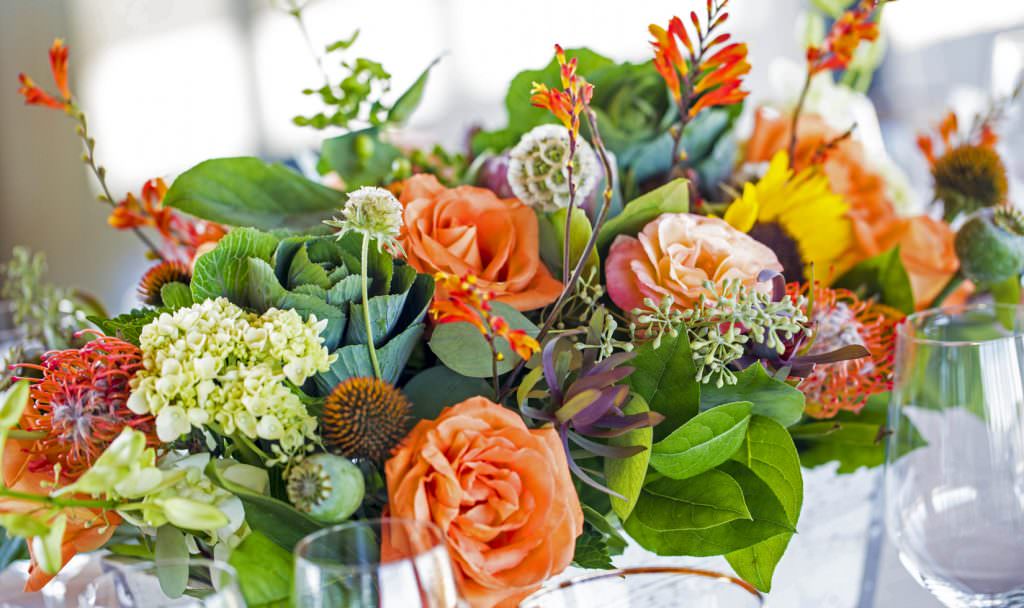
(797, 215)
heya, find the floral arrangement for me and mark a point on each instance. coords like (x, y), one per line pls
(612, 317)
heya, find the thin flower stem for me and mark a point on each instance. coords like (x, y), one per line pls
(494, 368)
(60, 502)
(796, 119)
(297, 13)
(572, 205)
(26, 435)
(366, 308)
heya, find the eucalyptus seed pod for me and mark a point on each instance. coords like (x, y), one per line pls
(990, 245)
(329, 488)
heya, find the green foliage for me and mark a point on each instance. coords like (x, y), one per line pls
(771, 397)
(438, 387)
(246, 191)
(176, 295)
(552, 228)
(704, 442)
(673, 197)
(882, 277)
(463, 349)
(128, 326)
(170, 546)
(625, 476)
(666, 379)
(264, 569)
(599, 542)
(852, 440)
(360, 158)
(321, 276)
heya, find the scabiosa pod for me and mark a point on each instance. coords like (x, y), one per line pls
(374, 213)
(538, 168)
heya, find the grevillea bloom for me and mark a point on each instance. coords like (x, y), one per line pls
(469, 230)
(676, 254)
(501, 492)
(842, 319)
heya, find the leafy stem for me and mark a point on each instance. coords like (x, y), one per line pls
(366, 307)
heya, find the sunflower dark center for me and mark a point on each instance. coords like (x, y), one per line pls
(784, 246)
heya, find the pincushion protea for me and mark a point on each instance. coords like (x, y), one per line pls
(841, 320)
(79, 405)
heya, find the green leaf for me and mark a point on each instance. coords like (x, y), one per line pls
(673, 197)
(246, 191)
(704, 501)
(598, 543)
(223, 271)
(771, 397)
(463, 349)
(23, 525)
(384, 313)
(354, 360)
(756, 563)
(882, 277)
(12, 404)
(579, 235)
(626, 475)
(278, 520)
(658, 528)
(264, 570)
(170, 546)
(408, 101)
(302, 271)
(360, 158)
(854, 440)
(665, 378)
(704, 442)
(176, 295)
(438, 387)
(128, 326)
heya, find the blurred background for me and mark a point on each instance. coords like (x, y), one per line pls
(168, 84)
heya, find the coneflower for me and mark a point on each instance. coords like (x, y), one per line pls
(158, 276)
(79, 405)
(968, 178)
(365, 418)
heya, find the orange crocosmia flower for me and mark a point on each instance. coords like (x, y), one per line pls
(567, 105)
(35, 95)
(501, 493)
(836, 51)
(948, 131)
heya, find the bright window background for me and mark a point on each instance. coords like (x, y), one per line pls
(167, 84)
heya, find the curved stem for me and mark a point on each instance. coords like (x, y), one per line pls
(947, 290)
(566, 244)
(60, 502)
(366, 308)
(796, 118)
(297, 13)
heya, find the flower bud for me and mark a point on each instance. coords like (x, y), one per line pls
(191, 515)
(990, 246)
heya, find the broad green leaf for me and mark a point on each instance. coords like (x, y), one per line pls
(463, 349)
(223, 271)
(626, 475)
(704, 442)
(354, 360)
(579, 235)
(170, 546)
(598, 543)
(12, 403)
(246, 191)
(673, 197)
(176, 295)
(23, 525)
(882, 277)
(302, 271)
(438, 387)
(360, 158)
(264, 570)
(407, 103)
(756, 563)
(665, 378)
(657, 531)
(128, 326)
(770, 397)
(384, 312)
(704, 501)
(278, 520)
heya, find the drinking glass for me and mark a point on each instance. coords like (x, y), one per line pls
(179, 583)
(955, 455)
(648, 587)
(384, 563)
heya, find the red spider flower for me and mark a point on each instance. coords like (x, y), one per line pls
(836, 51)
(36, 96)
(182, 236)
(80, 405)
(567, 104)
(700, 79)
(842, 319)
(464, 300)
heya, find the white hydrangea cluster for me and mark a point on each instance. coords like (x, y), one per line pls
(216, 365)
(538, 168)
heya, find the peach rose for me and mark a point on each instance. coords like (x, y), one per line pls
(676, 253)
(926, 245)
(87, 529)
(469, 230)
(501, 492)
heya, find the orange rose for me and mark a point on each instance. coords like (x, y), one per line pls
(501, 492)
(87, 529)
(926, 245)
(469, 230)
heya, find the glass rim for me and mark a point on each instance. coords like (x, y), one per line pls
(306, 541)
(623, 572)
(904, 327)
